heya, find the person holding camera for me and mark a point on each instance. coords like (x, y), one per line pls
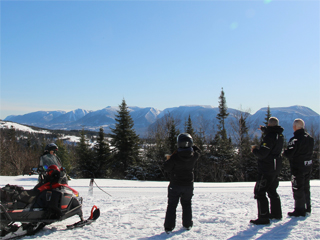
(269, 167)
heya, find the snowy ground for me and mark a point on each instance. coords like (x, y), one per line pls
(136, 210)
(17, 126)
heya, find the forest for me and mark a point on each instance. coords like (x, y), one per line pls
(122, 154)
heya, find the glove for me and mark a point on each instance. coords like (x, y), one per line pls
(263, 128)
(196, 149)
(41, 169)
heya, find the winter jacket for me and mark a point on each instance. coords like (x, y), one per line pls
(269, 153)
(181, 165)
(299, 151)
(48, 159)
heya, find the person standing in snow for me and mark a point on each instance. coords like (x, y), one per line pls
(180, 165)
(299, 152)
(269, 166)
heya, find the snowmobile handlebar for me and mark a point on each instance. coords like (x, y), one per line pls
(41, 170)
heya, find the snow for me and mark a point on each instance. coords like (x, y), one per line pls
(21, 127)
(17, 126)
(136, 210)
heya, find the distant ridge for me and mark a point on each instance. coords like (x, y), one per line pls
(201, 115)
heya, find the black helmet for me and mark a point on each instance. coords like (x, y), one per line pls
(184, 140)
(51, 147)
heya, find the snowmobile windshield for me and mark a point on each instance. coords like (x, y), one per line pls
(48, 160)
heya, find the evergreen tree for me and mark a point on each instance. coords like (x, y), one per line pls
(316, 157)
(162, 138)
(221, 139)
(313, 130)
(102, 154)
(125, 141)
(268, 115)
(200, 170)
(222, 115)
(189, 128)
(63, 154)
(85, 164)
(221, 147)
(172, 137)
(247, 164)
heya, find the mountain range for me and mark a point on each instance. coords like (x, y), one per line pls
(203, 117)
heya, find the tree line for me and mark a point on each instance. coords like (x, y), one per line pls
(123, 155)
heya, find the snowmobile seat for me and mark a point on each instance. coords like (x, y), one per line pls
(27, 196)
(9, 192)
(17, 194)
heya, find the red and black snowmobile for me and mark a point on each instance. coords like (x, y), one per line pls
(25, 212)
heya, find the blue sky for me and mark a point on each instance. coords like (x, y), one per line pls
(64, 55)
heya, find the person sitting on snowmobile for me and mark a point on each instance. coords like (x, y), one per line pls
(25, 212)
(49, 158)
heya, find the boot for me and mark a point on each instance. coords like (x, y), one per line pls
(297, 213)
(277, 217)
(308, 208)
(275, 206)
(263, 212)
(260, 221)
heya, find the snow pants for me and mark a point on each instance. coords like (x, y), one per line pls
(301, 190)
(268, 184)
(184, 194)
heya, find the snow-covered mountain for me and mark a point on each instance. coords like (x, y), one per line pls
(203, 117)
(71, 116)
(287, 115)
(88, 119)
(34, 118)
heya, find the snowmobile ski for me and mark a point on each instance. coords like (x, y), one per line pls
(95, 214)
(14, 231)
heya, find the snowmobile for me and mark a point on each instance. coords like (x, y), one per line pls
(48, 202)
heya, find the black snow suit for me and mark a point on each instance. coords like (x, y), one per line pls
(180, 166)
(269, 167)
(299, 152)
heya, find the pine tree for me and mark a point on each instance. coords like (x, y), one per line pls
(200, 170)
(268, 115)
(102, 154)
(63, 155)
(246, 164)
(221, 147)
(85, 163)
(316, 157)
(158, 145)
(172, 137)
(188, 127)
(125, 141)
(222, 115)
